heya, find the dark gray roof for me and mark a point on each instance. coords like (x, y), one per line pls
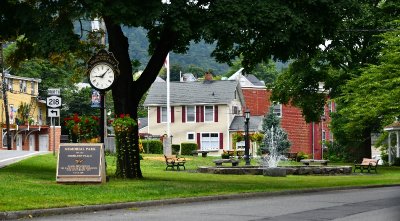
(197, 92)
(255, 123)
(143, 122)
(254, 80)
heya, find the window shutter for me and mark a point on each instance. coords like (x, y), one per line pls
(158, 115)
(216, 113)
(183, 114)
(198, 141)
(202, 113)
(197, 114)
(221, 141)
(172, 115)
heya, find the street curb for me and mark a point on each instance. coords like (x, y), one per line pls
(92, 208)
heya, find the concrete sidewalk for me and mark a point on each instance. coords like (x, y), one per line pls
(8, 157)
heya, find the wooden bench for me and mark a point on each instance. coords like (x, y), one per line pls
(175, 161)
(221, 161)
(369, 164)
(308, 161)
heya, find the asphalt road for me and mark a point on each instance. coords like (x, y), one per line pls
(373, 204)
(11, 156)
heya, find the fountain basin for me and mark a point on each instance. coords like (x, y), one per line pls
(274, 171)
(290, 170)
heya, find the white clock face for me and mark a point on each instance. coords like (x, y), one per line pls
(101, 76)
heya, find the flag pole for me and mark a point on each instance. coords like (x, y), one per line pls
(168, 98)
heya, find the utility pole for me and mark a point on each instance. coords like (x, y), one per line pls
(4, 90)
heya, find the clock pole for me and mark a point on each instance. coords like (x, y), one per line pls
(102, 118)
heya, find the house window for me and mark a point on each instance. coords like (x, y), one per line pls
(190, 136)
(22, 86)
(209, 113)
(209, 141)
(323, 138)
(330, 106)
(10, 84)
(278, 109)
(235, 110)
(164, 115)
(32, 87)
(240, 145)
(190, 113)
(40, 116)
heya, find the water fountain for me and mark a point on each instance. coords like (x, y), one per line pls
(269, 161)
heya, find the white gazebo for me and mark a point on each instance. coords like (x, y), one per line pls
(393, 128)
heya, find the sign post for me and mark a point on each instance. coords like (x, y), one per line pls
(53, 103)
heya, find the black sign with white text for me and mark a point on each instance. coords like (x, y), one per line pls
(81, 162)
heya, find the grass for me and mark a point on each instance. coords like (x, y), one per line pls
(31, 184)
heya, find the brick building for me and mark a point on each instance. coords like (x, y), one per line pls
(304, 137)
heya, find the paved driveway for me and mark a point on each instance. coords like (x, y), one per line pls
(11, 156)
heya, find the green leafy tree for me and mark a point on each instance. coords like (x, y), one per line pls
(370, 102)
(354, 46)
(254, 29)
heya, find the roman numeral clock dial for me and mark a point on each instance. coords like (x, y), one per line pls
(102, 76)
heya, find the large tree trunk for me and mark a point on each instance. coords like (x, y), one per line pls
(126, 92)
(124, 101)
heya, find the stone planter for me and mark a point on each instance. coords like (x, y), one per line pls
(274, 172)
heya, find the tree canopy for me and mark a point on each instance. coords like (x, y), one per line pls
(254, 29)
(371, 100)
(355, 45)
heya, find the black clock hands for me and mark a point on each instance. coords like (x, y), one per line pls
(102, 76)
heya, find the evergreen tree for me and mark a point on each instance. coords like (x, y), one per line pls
(274, 134)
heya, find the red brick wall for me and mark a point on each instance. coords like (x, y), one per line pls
(57, 137)
(297, 128)
(299, 132)
(257, 100)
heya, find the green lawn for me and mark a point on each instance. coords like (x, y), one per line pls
(30, 184)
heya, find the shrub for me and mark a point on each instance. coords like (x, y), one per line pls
(188, 148)
(301, 155)
(225, 155)
(152, 146)
(82, 128)
(396, 161)
(176, 148)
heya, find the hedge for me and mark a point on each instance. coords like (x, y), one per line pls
(154, 146)
(176, 148)
(188, 148)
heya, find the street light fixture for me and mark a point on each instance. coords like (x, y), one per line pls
(247, 140)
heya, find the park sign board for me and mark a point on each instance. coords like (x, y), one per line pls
(81, 163)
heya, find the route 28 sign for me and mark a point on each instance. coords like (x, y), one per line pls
(53, 101)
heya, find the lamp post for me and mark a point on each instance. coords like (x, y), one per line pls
(246, 139)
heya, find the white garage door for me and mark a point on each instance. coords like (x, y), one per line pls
(44, 142)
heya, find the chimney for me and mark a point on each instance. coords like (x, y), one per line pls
(208, 76)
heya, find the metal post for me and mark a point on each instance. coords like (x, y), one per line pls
(54, 135)
(247, 140)
(102, 119)
(102, 107)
